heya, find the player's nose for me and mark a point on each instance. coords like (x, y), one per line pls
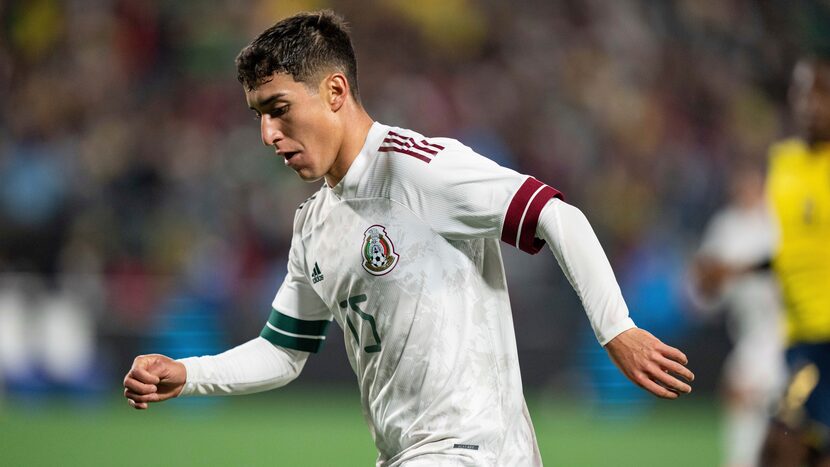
(270, 131)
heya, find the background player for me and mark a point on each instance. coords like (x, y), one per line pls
(740, 235)
(798, 183)
(300, 79)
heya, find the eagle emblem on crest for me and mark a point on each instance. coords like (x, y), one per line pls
(378, 252)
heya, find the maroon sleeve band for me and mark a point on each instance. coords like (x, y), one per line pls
(510, 229)
(527, 240)
(522, 215)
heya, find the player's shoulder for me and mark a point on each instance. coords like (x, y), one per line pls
(414, 156)
(413, 146)
(729, 220)
(787, 151)
(309, 209)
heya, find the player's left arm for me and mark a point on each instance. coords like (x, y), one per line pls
(644, 359)
(464, 195)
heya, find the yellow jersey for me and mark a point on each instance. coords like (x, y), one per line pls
(798, 184)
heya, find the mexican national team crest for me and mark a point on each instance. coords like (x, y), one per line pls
(379, 255)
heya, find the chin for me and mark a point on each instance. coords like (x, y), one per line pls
(308, 176)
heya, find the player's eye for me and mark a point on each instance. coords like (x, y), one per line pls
(257, 116)
(278, 111)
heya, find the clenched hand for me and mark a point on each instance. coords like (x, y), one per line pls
(153, 378)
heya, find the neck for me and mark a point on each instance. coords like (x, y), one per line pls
(354, 137)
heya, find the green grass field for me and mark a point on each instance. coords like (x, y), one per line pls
(298, 427)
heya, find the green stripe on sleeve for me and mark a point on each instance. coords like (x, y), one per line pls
(291, 342)
(298, 326)
(293, 333)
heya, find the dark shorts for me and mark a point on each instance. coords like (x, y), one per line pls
(805, 406)
(799, 356)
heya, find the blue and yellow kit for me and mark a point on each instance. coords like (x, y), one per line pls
(798, 185)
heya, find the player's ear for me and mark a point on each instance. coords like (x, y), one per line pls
(336, 90)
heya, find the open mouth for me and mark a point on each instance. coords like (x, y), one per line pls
(289, 154)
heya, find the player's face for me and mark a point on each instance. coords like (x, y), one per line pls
(298, 122)
(810, 96)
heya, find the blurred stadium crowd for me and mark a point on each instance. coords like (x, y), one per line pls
(139, 212)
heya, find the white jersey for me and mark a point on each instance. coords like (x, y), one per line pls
(755, 370)
(403, 253)
(739, 237)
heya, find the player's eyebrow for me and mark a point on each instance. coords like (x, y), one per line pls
(267, 101)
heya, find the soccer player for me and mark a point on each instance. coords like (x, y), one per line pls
(798, 182)
(400, 247)
(740, 235)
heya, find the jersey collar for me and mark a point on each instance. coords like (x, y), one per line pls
(347, 186)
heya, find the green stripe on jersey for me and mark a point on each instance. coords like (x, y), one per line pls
(298, 326)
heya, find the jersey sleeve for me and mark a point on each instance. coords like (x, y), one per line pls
(580, 255)
(462, 195)
(299, 318)
(254, 366)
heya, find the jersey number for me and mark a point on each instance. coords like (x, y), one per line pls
(354, 303)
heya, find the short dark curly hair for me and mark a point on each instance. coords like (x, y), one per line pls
(304, 46)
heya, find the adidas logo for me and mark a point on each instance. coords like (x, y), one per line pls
(316, 275)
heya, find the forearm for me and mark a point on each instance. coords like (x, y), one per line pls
(254, 366)
(584, 263)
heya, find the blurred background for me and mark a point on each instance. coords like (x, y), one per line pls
(140, 213)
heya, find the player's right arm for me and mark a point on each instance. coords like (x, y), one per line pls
(254, 366)
(297, 326)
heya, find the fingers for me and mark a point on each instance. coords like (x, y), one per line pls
(140, 373)
(678, 369)
(662, 377)
(663, 385)
(656, 389)
(666, 374)
(153, 397)
(671, 383)
(651, 364)
(138, 405)
(672, 365)
(674, 354)
(140, 385)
